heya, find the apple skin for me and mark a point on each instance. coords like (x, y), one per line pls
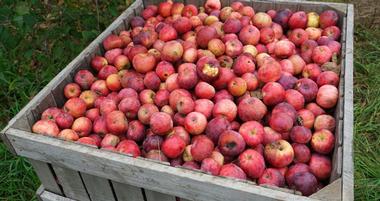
(298, 20)
(273, 93)
(293, 170)
(315, 109)
(308, 88)
(225, 108)
(328, 18)
(112, 41)
(191, 165)
(208, 68)
(187, 75)
(287, 80)
(87, 141)
(262, 20)
(201, 148)
(279, 154)
(129, 106)
(173, 146)
(300, 134)
(136, 131)
(302, 153)
(252, 163)
(324, 121)
(76, 107)
(116, 122)
(251, 109)
(129, 147)
(110, 140)
(232, 171)
(320, 166)
(210, 166)
(269, 72)
(252, 132)
(249, 35)
(327, 96)
(84, 78)
(46, 127)
(68, 134)
(323, 141)
(195, 123)
(204, 35)
(216, 127)
(327, 77)
(321, 54)
(64, 120)
(305, 182)
(72, 90)
(231, 143)
(172, 51)
(204, 106)
(234, 48)
(270, 135)
(272, 176)
(152, 142)
(161, 123)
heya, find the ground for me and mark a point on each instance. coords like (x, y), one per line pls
(38, 38)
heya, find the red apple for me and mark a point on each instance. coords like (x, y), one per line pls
(252, 132)
(301, 153)
(279, 154)
(320, 166)
(46, 127)
(272, 176)
(116, 122)
(231, 143)
(129, 147)
(232, 171)
(323, 141)
(161, 123)
(72, 90)
(252, 163)
(324, 121)
(225, 108)
(262, 20)
(327, 96)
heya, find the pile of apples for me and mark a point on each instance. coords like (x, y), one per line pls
(225, 90)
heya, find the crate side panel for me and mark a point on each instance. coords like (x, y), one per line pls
(127, 192)
(158, 177)
(44, 195)
(348, 168)
(330, 192)
(46, 175)
(157, 196)
(99, 189)
(71, 183)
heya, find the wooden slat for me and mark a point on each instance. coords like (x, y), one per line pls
(347, 174)
(46, 175)
(329, 191)
(156, 196)
(71, 183)
(138, 172)
(127, 192)
(44, 195)
(337, 158)
(99, 189)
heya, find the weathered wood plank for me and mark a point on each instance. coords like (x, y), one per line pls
(348, 168)
(156, 196)
(5, 140)
(337, 158)
(99, 189)
(39, 191)
(46, 176)
(71, 183)
(138, 172)
(127, 192)
(44, 195)
(329, 191)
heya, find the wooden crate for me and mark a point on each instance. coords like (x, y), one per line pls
(74, 171)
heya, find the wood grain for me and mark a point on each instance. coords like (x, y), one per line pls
(46, 175)
(99, 189)
(127, 192)
(71, 183)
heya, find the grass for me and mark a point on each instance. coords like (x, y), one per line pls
(37, 40)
